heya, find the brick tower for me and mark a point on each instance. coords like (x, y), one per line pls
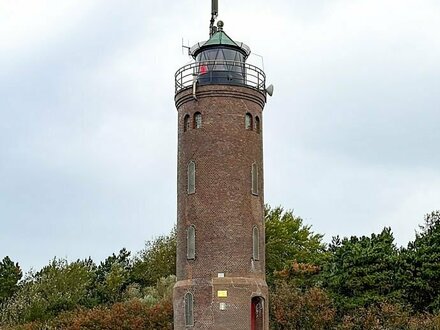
(220, 217)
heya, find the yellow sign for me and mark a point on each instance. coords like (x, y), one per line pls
(222, 293)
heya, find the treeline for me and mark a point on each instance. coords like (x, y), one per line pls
(122, 292)
(352, 283)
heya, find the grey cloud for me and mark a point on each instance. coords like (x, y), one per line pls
(88, 125)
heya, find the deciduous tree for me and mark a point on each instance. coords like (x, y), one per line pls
(288, 240)
(156, 260)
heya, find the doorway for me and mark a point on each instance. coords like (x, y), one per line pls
(257, 313)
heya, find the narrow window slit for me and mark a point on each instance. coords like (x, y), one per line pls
(248, 121)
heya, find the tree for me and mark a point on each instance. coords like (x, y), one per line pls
(156, 260)
(363, 271)
(112, 277)
(10, 275)
(288, 240)
(421, 266)
(59, 286)
(122, 259)
(154, 311)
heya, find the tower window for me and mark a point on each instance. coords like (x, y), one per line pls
(257, 125)
(191, 177)
(189, 309)
(186, 123)
(197, 120)
(248, 121)
(255, 243)
(191, 243)
(254, 179)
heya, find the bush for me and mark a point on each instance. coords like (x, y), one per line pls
(151, 309)
(131, 315)
(292, 308)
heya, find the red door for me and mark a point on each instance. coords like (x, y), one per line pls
(253, 313)
(257, 314)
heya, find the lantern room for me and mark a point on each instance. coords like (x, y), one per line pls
(220, 60)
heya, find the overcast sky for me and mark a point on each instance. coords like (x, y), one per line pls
(88, 127)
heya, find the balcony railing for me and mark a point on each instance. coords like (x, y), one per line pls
(220, 72)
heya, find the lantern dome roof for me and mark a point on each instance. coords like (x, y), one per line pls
(219, 39)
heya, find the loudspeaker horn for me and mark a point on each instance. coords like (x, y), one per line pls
(269, 89)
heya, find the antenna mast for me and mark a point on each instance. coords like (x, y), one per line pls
(214, 14)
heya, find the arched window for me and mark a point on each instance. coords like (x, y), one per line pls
(197, 120)
(248, 121)
(255, 179)
(189, 309)
(255, 243)
(191, 177)
(186, 123)
(191, 243)
(257, 124)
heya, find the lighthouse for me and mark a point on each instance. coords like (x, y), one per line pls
(220, 189)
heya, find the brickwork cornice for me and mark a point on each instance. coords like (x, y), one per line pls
(227, 91)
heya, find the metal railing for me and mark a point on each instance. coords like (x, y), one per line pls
(220, 72)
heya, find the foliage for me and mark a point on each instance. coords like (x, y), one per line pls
(58, 287)
(356, 283)
(387, 316)
(421, 266)
(381, 316)
(129, 315)
(10, 275)
(292, 308)
(300, 275)
(105, 267)
(162, 291)
(63, 286)
(112, 277)
(289, 240)
(155, 311)
(156, 260)
(363, 271)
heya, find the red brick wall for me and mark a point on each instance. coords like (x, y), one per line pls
(222, 209)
